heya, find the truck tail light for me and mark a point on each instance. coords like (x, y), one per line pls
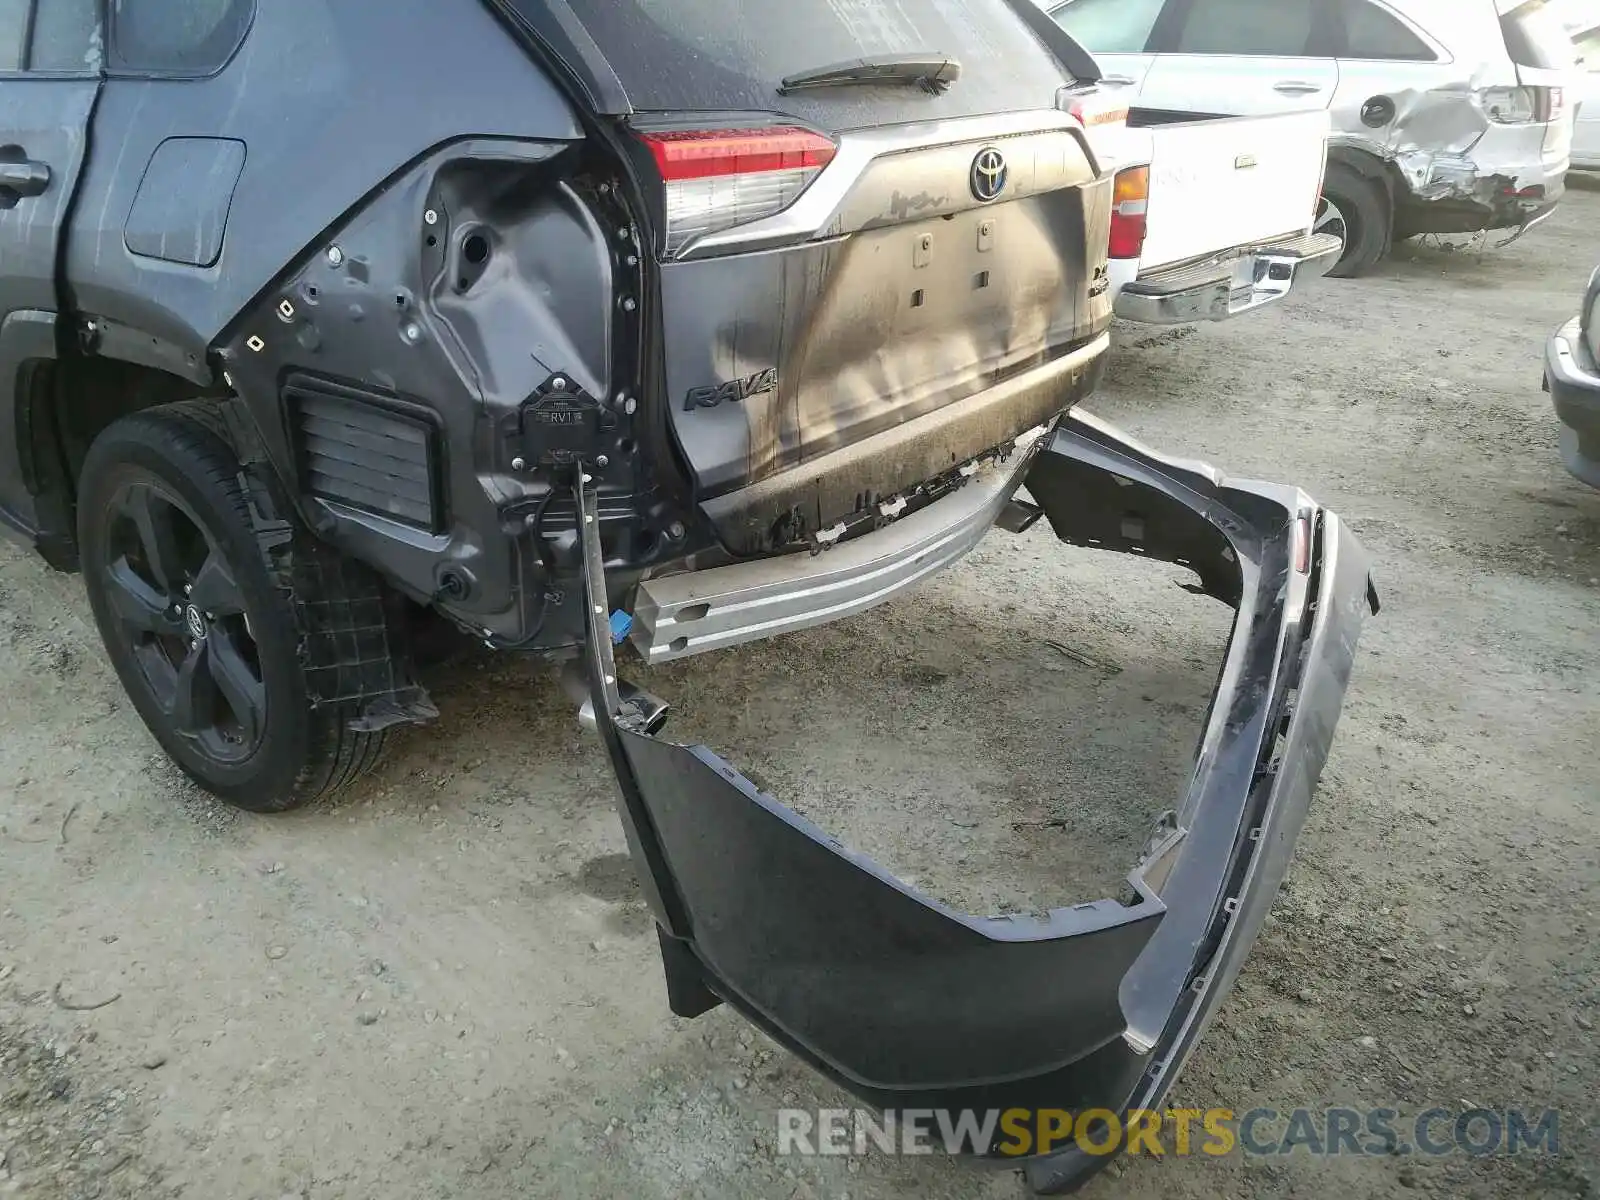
(718, 178)
(1130, 206)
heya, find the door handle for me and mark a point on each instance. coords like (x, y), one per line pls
(1296, 87)
(1119, 80)
(20, 176)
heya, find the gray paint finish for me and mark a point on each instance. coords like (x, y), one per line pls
(331, 97)
(42, 121)
(180, 212)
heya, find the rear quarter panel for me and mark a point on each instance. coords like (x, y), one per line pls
(328, 98)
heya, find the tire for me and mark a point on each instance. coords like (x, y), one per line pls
(199, 625)
(1360, 206)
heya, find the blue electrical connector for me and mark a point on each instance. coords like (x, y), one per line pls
(621, 622)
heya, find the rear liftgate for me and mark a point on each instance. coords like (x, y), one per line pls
(912, 1005)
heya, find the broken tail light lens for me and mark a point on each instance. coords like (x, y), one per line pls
(1511, 105)
(1130, 207)
(718, 178)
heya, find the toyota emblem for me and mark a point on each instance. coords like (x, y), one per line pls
(988, 174)
(195, 622)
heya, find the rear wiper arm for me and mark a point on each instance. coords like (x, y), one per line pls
(931, 72)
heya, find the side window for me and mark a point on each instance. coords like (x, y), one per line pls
(1272, 28)
(65, 35)
(177, 37)
(1109, 26)
(13, 29)
(1370, 32)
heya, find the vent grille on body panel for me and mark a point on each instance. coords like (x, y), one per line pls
(366, 449)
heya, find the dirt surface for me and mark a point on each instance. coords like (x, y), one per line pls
(446, 984)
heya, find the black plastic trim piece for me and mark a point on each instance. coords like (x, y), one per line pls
(911, 1005)
(366, 449)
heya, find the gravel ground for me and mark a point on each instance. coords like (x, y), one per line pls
(445, 985)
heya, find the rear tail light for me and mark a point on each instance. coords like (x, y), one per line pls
(1302, 545)
(1130, 206)
(718, 178)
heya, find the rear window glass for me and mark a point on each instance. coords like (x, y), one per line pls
(1109, 26)
(187, 37)
(731, 54)
(1370, 32)
(1255, 27)
(1588, 49)
(13, 28)
(1536, 38)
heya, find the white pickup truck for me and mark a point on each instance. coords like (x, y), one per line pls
(1213, 216)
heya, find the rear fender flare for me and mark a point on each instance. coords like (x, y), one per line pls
(31, 506)
(1365, 163)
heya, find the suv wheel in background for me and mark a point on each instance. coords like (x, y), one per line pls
(1356, 208)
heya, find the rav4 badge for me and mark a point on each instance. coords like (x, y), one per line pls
(711, 395)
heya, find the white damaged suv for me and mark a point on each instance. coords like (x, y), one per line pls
(1450, 116)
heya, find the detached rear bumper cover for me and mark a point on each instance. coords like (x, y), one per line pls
(1229, 287)
(910, 1004)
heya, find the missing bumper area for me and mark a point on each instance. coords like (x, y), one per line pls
(680, 615)
(910, 1003)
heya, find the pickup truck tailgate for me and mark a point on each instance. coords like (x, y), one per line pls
(1228, 182)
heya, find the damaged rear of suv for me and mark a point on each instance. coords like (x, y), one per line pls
(1449, 116)
(674, 322)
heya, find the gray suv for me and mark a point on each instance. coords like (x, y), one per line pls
(665, 324)
(289, 347)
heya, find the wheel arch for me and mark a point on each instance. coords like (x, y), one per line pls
(72, 378)
(1369, 165)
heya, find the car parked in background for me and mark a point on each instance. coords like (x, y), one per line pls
(1450, 116)
(1572, 377)
(1586, 133)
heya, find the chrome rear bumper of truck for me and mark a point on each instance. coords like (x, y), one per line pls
(1217, 289)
